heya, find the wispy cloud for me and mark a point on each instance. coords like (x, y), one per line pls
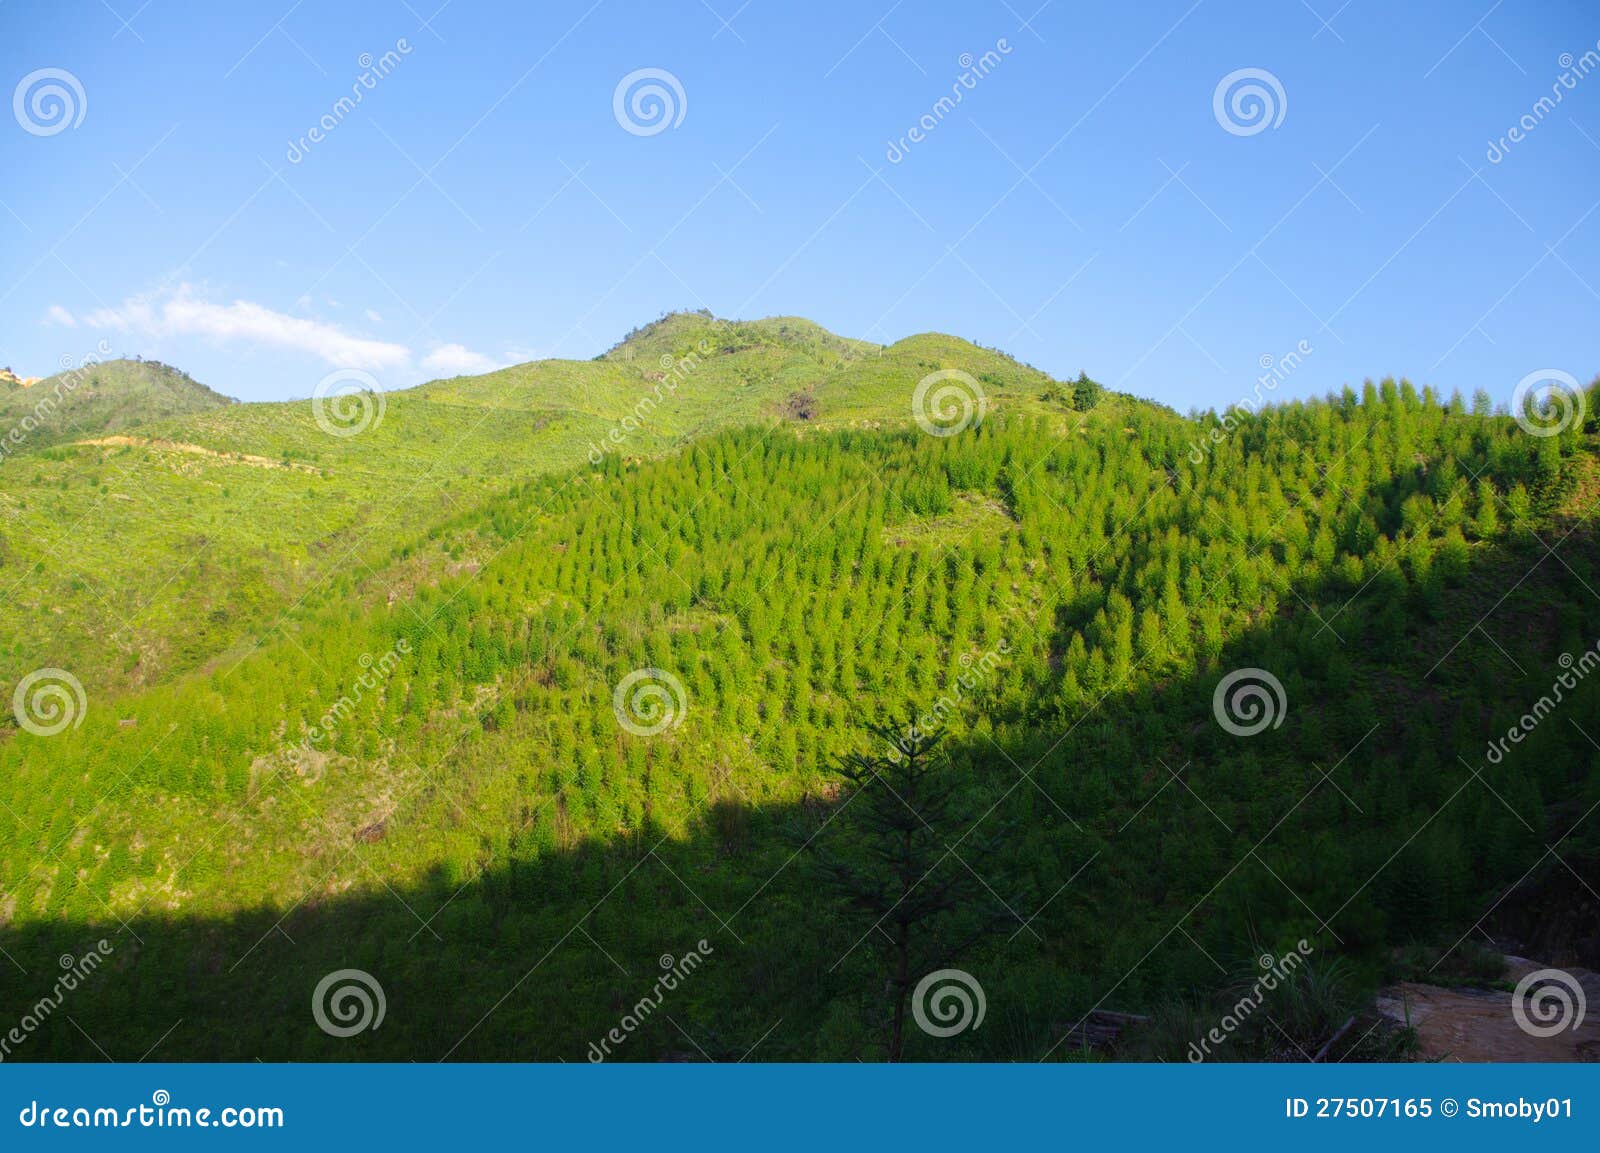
(458, 360)
(184, 313)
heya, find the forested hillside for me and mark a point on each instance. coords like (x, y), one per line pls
(558, 717)
(173, 541)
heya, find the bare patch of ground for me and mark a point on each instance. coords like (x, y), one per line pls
(195, 450)
(1471, 1025)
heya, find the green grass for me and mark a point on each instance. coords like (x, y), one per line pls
(96, 398)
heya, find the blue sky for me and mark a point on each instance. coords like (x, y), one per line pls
(1082, 207)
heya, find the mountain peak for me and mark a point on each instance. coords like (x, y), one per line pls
(679, 333)
(100, 397)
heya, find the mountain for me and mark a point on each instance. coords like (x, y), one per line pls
(265, 505)
(513, 727)
(97, 398)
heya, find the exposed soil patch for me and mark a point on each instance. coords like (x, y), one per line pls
(1478, 1024)
(800, 406)
(195, 450)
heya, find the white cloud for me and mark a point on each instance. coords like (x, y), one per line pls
(183, 313)
(458, 360)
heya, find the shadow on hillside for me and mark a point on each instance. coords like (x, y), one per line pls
(1157, 852)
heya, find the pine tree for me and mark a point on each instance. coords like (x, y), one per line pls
(910, 868)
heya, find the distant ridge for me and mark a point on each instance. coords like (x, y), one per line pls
(95, 399)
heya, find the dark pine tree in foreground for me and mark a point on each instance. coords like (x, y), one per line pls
(912, 862)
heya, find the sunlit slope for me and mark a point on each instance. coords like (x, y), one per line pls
(1092, 587)
(153, 540)
(95, 399)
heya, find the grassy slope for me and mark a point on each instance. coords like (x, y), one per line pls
(148, 558)
(97, 399)
(503, 809)
(195, 851)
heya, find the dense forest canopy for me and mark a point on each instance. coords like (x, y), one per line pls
(430, 771)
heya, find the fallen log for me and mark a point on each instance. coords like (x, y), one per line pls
(1332, 1041)
(1099, 1029)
